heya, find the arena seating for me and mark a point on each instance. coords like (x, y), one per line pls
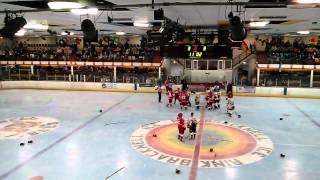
(280, 52)
(120, 53)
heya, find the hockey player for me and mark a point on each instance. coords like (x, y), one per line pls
(230, 106)
(210, 102)
(219, 97)
(209, 99)
(188, 98)
(216, 99)
(197, 101)
(183, 100)
(167, 84)
(176, 95)
(229, 95)
(216, 87)
(181, 127)
(170, 98)
(192, 126)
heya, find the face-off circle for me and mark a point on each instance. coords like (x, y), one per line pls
(231, 144)
(24, 127)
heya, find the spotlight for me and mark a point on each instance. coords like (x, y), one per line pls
(159, 14)
(88, 29)
(172, 31)
(12, 26)
(238, 32)
(230, 15)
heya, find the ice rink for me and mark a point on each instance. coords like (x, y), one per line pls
(73, 140)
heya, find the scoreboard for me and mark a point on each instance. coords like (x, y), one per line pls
(196, 51)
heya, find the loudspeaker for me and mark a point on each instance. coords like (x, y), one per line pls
(223, 36)
(238, 31)
(90, 33)
(159, 14)
(12, 26)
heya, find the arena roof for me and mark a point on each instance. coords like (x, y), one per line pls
(284, 16)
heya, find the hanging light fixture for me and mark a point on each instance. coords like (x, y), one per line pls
(120, 33)
(141, 24)
(308, 1)
(258, 23)
(303, 32)
(64, 4)
(91, 11)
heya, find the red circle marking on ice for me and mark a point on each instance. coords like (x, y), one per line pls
(244, 143)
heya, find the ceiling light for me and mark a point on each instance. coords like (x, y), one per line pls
(92, 11)
(303, 32)
(30, 25)
(259, 23)
(21, 32)
(120, 33)
(64, 5)
(71, 33)
(64, 33)
(308, 1)
(141, 24)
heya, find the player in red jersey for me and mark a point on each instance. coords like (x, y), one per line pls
(183, 100)
(170, 98)
(181, 126)
(176, 95)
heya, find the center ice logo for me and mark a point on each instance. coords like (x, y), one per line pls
(23, 127)
(233, 144)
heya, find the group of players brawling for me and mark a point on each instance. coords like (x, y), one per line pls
(191, 124)
(212, 98)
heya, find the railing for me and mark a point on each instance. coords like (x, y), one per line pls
(237, 60)
(80, 63)
(148, 78)
(115, 58)
(285, 82)
(278, 81)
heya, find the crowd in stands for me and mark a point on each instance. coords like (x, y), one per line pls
(132, 52)
(277, 51)
(95, 52)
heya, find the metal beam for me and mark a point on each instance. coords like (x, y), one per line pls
(114, 7)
